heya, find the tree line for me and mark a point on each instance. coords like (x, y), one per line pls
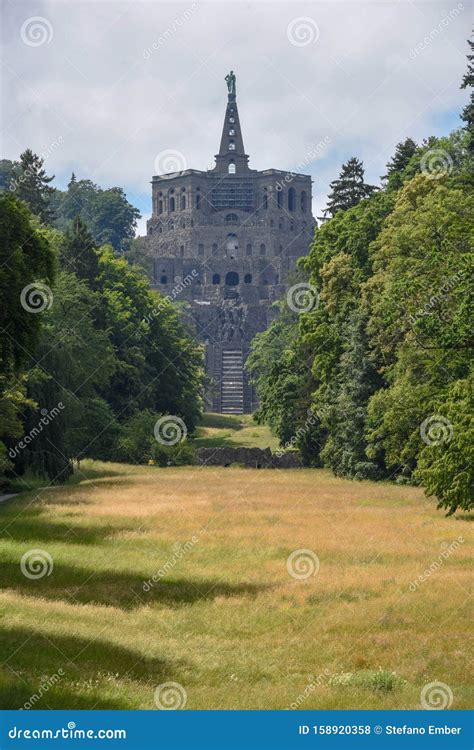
(371, 376)
(90, 356)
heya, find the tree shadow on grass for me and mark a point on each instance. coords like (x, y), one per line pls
(80, 667)
(76, 585)
(34, 525)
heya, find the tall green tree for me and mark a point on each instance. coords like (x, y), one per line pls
(79, 253)
(349, 189)
(468, 83)
(398, 163)
(31, 184)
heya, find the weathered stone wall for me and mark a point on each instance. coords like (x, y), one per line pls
(255, 458)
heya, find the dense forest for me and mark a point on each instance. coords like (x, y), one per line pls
(90, 356)
(368, 369)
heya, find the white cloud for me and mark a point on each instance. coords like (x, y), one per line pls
(121, 82)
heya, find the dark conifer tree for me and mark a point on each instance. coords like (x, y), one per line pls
(349, 189)
(399, 161)
(31, 184)
(79, 253)
(468, 83)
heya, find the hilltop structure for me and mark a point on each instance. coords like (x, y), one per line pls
(234, 233)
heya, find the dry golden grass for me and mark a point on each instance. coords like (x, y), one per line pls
(227, 621)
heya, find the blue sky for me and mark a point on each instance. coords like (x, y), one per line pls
(105, 88)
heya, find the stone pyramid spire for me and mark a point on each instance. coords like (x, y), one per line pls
(231, 158)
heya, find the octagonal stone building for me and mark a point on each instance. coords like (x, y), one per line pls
(225, 240)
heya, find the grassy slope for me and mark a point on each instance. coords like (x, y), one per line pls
(227, 621)
(219, 430)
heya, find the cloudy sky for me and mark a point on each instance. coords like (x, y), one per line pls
(106, 89)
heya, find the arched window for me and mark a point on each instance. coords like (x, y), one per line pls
(248, 278)
(163, 279)
(160, 229)
(232, 278)
(172, 203)
(232, 169)
(231, 219)
(262, 249)
(249, 249)
(281, 224)
(303, 200)
(160, 207)
(182, 224)
(216, 279)
(214, 249)
(200, 249)
(231, 146)
(198, 200)
(171, 225)
(181, 250)
(265, 199)
(183, 202)
(150, 230)
(280, 198)
(291, 199)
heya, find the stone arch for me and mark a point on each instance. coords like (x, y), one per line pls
(291, 199)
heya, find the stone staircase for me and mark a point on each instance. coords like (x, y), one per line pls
(232, 382)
